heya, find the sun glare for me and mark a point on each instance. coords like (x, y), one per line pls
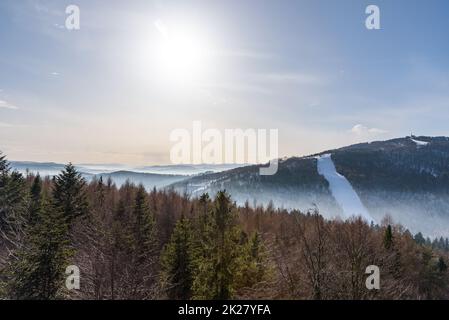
(181, 54)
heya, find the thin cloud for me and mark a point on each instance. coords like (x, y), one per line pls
(263, 82)
(245, 54)
(6, 105)
(238, 87)
(360, 129)
(292, 78)
(59, 26)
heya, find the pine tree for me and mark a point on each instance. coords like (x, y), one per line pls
(4, 166)
(419, 239)
(219, 262)
(388, 238)
(178, 261)
(442, 266)
(69, 193)
(145, 247)
(441, 243)
(13, 199)
(4, 169)
(13, 211)
(144, 226)
(39, 271)
(100, 193)
(35, 201)
(121, 252)
(255, 262)
(203, 221)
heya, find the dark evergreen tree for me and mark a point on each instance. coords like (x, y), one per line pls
(13, 200)
(220, 262)
(255, 262)
(4, 166)
(69, 193)
(441, 243)
(145, 247)
(35, 201)
(13, 211)
(419, 239)
(39, 271)
(388, 237)
(121, 253)
(144, 226)
(435, 243)
(178, 261)
(442, 266)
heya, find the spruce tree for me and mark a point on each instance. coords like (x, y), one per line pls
(35, 201)
(178, 262)
(4, 169)
(388, 238)
(69, 193)
(4, 166)
(441, 265)
(121, 253)
(13, 211)
(219, 263)
(144, 226)
(254, 267)
(145, 247)
(13, 201)
(39, 271)
(441, 243)
(419, 239)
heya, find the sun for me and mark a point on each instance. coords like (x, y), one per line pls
(182, 53)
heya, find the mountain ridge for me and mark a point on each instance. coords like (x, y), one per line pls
(405, 178)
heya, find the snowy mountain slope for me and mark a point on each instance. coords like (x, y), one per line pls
(406, 180)
(420, 143)
(297, 185)
(341, 189)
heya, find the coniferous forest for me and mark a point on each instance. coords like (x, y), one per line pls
(129, 243)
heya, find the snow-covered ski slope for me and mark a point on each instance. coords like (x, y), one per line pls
(420, 143)
(342, 190)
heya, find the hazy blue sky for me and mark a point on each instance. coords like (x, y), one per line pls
(310, 68)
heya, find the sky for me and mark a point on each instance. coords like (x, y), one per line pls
(114, 90)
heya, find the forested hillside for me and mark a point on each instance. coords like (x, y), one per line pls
(132, 244)
(406, 178)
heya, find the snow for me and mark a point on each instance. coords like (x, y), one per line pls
(420, 143)
(341, 189)
(201, 187)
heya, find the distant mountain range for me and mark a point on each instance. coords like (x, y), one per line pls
(149, 176)
(405, 178)
(51, 168)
